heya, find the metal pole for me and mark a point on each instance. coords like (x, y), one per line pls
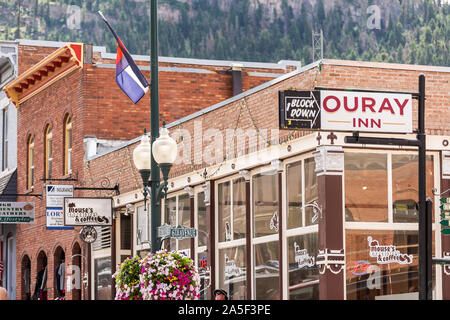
(155, 210)
(423, 248)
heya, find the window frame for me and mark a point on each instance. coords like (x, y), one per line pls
(30, 162)
(48, 152)
(68, 150)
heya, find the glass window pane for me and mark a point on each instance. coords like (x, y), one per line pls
(405, 186)
(125, 232)
(203, 274)
(184, 219)
(239, 209)
(232, 272)
(265, 204)
(224, 211)
(294, 194)
(266, 271)
(103, 279)
(381, 264)
(171, 218)
(142, 226)
(303, 271)
(201, 211)
(366, 196)
(311, 193)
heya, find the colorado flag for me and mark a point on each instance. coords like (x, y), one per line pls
(128, 76)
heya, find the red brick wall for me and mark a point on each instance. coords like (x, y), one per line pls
(47, 107)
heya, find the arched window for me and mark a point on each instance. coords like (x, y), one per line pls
(68, 145)
(30, 165)
(48, 152)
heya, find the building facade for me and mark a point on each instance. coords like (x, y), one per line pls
(293, 214)
(69, 108)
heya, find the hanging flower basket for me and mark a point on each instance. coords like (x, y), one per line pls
(127, 280)
(169, 276)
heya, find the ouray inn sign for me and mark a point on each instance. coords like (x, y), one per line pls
(346, 111)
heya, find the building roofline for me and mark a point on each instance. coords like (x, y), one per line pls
(219, 105)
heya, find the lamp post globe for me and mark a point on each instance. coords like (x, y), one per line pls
(164, 148)
(142, 159)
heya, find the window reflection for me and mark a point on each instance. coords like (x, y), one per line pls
(294, 194)
(381, 264)
(102, 271)
(311, 192)
(184, 214)
(238, 208)
(204, 275)
(405, 186)
(232, 271)
(366, 196)
(303, 272)
(201, 211)
(265, 204)
(266, 271)
(224, 211)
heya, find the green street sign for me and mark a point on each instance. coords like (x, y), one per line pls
(444, 223)
(445, 231)
(445, 200)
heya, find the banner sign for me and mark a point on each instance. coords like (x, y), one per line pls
(16, 212)
(54, 197)
(346, 111)
(88, 211)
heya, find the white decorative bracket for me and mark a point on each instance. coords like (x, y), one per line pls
(446, 267)
(333, 260)
(445, 164)
(329, 160)
(207, 191)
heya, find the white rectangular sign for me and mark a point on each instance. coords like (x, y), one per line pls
(366, 111)
(54, 197)
(16, 212)
(87, 211)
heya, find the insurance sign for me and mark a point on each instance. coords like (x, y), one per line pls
(334, 110)
(54, 198)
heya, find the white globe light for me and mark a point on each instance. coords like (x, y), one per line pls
(164, 148)
(141, 155)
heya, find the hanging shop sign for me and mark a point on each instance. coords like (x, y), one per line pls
(88, 234)
(345, 111)
(54, 201)
(16, 212)
(88, 211)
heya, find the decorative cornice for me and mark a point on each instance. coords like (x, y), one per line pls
(55, 66)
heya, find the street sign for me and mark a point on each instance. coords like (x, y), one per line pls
(181, 232)
(54, 197)
(88, 234)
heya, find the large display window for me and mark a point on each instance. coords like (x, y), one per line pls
(381, 236)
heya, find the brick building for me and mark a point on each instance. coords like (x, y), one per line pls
(291, 214)
(69, 108)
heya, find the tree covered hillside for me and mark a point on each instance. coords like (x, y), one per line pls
(401, 31)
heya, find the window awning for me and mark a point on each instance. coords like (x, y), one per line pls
(49, 70)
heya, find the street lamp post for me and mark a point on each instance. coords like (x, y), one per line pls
(162, 150)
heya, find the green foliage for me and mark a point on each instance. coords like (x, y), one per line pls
(412, 31)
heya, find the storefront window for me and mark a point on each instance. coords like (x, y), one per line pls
(102, 272)
(232, 272)
(405, 186)
(266, 271)
(201, 214)
(303, 272)
(142, 226)
(203, 273)
(125, 232)
(294, 194)
(311, 192)
(265, 204)
(366, 185)
(381, 264)
(238, 208)
(184, 219)
(171, 219)
(224, 211)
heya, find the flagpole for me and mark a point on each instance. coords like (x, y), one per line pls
(155, 200)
